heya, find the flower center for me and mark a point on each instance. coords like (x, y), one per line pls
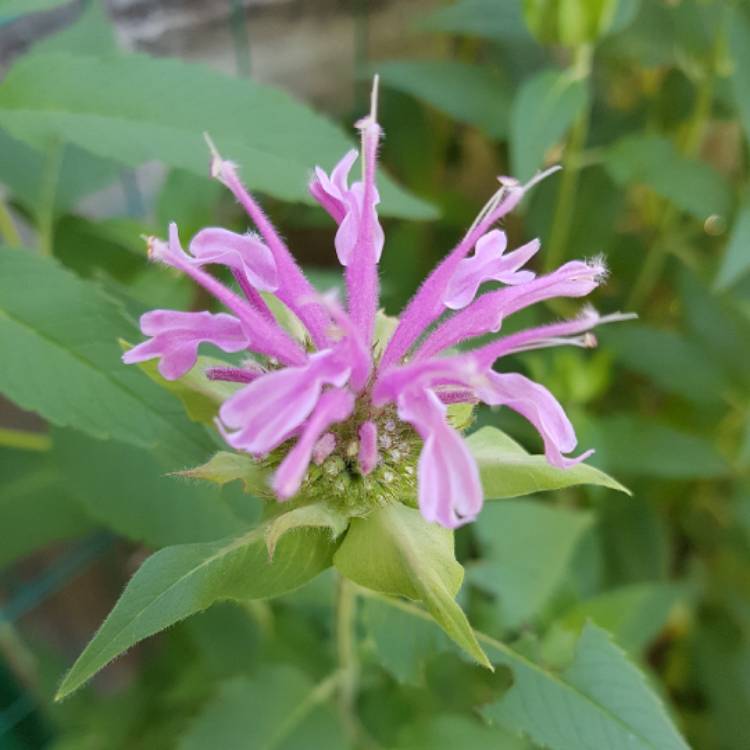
(339, 481)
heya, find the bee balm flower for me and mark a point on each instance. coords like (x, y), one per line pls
(332, 415)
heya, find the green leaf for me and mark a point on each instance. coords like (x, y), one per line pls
(91, 34)
(528, 547)
(279, 708)
(507, 470)
(739, 44)
(469, 93)
(10, 8)
(177, 582)
(543, 110)
(402, 643)
(483, 18)
(224, 467)
(671, 360)
(651, 160)
(22, 170)
(66, 364)
(200, 396)
(395, 551)
(643, 447)
(449, 732)
(125, 489)
(35, 509)
(634, 615)
(133, 109)
(736, 261)
(601, 700)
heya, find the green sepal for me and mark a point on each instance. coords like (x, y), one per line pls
(224, 467)
(395, 551)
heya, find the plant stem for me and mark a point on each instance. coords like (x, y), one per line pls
(8, 230)
(346, 606)
(48, 192)
(563, 216)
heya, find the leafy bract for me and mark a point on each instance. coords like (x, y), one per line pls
(278, 708)
(224, 467)
(507, 470)
(66, 363)
(132, 108)
(545, 107)
(469, 93)
(396, 552)
(179, 581)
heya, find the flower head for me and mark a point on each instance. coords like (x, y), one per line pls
(333, 415)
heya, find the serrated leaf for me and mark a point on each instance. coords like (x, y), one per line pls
(179, 581)
(279, 708)
(469, 93)
(396, 552)
(224, 467)
(527, 549)
(600, 700)
(66, 363)
(651, 160)
(507, 470)
(543, 110)
(132, 108)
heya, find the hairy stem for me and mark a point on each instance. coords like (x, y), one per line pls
(346, 606)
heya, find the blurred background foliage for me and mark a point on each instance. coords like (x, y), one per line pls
(646, 104)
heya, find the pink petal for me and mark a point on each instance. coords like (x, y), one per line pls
(331, 191)
(266, 336)
(539, 406)
(334, 406)
(265, 412)
(323, 448)
(486, 314)
(450, 492)
(241, 252)
(295, 291)
(176, 336)
(368, 447)
(426, 305)
(488, 264)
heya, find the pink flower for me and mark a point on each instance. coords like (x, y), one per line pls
(326, 409)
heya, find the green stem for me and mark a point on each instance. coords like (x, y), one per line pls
(346, 607)
(8, 230)
(48, 193)
(563, 217)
